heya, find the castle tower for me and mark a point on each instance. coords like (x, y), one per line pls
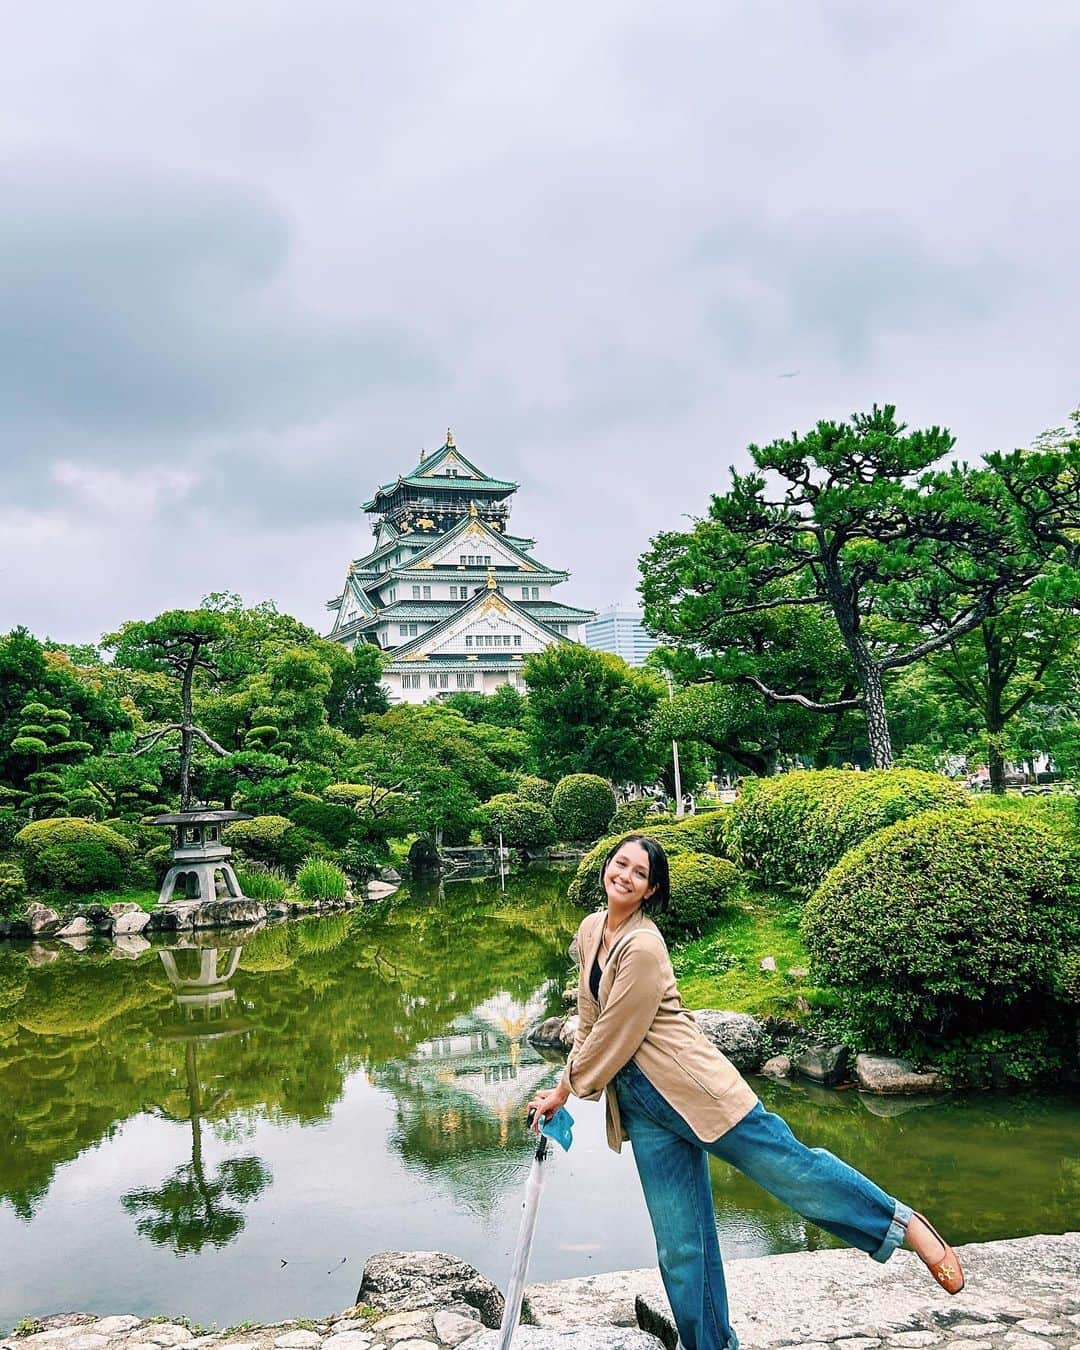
(456, 599)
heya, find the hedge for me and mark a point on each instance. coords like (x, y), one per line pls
(522, 823)
(583, 806)
(534, 789)
(793, 828)
(701, 886)
(955, 924)
(638, 815)
(273, 840)
(68, 853)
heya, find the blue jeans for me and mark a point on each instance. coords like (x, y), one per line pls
(674, 1174)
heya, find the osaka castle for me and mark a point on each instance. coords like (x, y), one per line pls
(457, 600)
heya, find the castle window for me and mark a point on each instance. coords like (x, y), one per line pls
(465, 681)
(468, 639)
(453, 592)
(427, 592)
(403, 630)
(524, 592)
(444, 681)
(433, 681)
(517, 639)
(536, 592)
(461, 560)
(416, 592)
(410, 681)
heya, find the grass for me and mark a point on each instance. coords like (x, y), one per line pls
(721, 969)
(269, 884)
(321, 880)
(63, 901)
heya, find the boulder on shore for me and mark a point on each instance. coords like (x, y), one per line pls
(822, 1063)
(408, 1281)
(887, 1075)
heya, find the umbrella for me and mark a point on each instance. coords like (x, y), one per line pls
(558, 1128)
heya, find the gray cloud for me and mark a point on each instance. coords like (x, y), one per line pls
(252, 258)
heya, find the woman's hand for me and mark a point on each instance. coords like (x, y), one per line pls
(545, 1104)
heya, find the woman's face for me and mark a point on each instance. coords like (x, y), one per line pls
(626, 877)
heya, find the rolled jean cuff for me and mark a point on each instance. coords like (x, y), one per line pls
(897, 1229)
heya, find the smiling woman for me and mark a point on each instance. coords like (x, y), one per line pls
(677, 1099)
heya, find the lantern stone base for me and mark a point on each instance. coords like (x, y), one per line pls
(202, 880)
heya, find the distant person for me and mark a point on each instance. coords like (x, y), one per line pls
(676, 1098)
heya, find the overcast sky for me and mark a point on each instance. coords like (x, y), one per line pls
(254, 255)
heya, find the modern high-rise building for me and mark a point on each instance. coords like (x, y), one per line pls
(456, 600)
(619, 630)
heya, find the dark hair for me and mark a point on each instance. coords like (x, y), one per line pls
(659, 877)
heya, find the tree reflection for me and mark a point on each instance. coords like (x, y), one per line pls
(192, 1208)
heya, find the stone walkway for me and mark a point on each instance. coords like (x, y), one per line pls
(1022, 1294)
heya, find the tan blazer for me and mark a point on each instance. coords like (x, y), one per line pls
(640, 1016)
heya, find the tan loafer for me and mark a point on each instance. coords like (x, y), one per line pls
(946, 1269)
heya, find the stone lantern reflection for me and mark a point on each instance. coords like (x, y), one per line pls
(200, 868)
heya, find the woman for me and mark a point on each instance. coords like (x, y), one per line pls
(676, 1098)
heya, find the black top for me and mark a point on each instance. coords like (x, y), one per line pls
(594, 977)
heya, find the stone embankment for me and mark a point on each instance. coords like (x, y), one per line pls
(1022, 1294)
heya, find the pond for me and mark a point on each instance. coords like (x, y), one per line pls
(230, 1130)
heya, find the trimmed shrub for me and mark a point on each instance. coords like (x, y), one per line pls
(637, 815)
(791, 829)
(319, 879)
(158, 860)
(68, 853)
(707, 831)
(583, 806)
(951, 925)
(11, 822)
(12, 888)
(263, 883)
(534, 789)
(522, 823)
(332, 822)
(273, 840)
(701, 886)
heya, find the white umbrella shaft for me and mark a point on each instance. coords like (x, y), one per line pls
(515, 1288)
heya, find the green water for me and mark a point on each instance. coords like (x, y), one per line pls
(229, 1131)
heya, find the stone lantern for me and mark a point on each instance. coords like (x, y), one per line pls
(200, 863)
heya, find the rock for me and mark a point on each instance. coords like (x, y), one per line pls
(123, 907)
(737, 1035)
(424, 857)
(114, 1326)
(162, 1333)
(569, 1338)
(164, 920)
(390, 874)
(417, 1344)
(1039, 1326)
(896, 1105)
(406, 1324)
(348, 1340)
(568, 1032)
(1019, 1340)
(87, 1341)
(569, 996)
(77, 927)
(408, 1281)
(798, 973)
(884, 1074)
(548, 1033)
(131, 921)
(226, 913)
(100, 917)
(40, 956)
(343, 1324)
(915, 1340)
(451, 1328)
(298, 1340)
(767, 963)
(821, 1063)
(777, 1067)
(802, 1004)
(43, 921)
(77, 944)
(278, 909)
(379, 890)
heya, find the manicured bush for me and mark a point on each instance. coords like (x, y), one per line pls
(158, 860)
(701, 886)
(273, 840)
(332, 822)
(263, 883)
(707, 831)
(12, 888)
(791, 829)
(11, 822)
(583, 806)
(637, 815)
(522, 823)
(954, 924)
(320, 879)
(534, 789)
(70, 854)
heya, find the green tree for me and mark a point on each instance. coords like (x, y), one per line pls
(588, 712)
(904, 559)
(356, 688)
(504, 708)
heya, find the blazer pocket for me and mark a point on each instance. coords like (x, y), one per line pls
(715, 1079)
